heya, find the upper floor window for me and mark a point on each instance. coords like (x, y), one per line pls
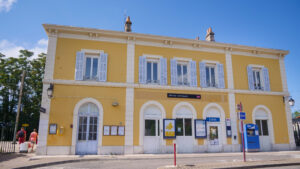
(91, 68)
(258, 78)
(91, 65)
(152, 70)
(211, 74)
(183, 72)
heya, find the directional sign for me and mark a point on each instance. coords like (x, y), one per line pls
(242, 116)
(42, 109)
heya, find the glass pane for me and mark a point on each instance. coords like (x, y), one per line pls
(179, 75)
(88, 68)
(207, 76)
(188, 127)
(149, 127)
(184, 71)
(213, 132)
(265, 127)
(179, 127)
(259, 127)
(149, 72)
(158, 129)
(213, 83)
(155, 72)
(258, 80)
(95, 68)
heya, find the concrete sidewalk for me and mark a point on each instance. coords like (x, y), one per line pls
(230, 160)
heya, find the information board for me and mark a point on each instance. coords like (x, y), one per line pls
(200, 128)
(169, 128)
(228, 127)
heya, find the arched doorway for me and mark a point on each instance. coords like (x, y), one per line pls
(87, 129)
(263, 119)
(185, 114)
(215, 126)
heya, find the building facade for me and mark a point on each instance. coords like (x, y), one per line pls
(112, 91)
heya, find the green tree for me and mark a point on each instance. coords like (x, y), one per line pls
(10, 73)
(296, 113)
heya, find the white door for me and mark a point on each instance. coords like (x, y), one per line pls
(87, 135)
(214, 137)
(184, 135)
(152, 138)
(264, 137)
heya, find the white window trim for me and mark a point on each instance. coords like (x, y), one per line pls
(185, 62)
(92, 51)
(153, 58)
(262, 81)
(211, 63)
(183, 59)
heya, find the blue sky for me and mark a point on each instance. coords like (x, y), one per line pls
(269, 23)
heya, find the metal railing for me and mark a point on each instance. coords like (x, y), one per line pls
(6, 139)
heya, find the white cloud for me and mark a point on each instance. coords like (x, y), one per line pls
(5, 5)
(10, 49)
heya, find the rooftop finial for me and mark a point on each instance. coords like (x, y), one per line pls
(210, 36)
(128, 24)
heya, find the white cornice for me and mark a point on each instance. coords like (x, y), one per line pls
(149, 86)
(167, 41)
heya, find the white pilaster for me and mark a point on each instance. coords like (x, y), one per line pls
(230, 81)
(283, 74)
(129, 99)
(44, 117)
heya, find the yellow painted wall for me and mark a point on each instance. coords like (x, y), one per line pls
(170, 53)
(144, 95)
(65, 58)
(63, 104)
(277, 108)
(240, 76)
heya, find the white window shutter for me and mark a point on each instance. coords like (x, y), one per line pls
(202, 74)
(266, 79)
(193, 74)
(221, 76)
(250, 78)
(173, 72)
(79, 65)
(163, 71)
(102, 67)
(142, 69)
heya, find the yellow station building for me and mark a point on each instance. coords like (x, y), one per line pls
(108, 92)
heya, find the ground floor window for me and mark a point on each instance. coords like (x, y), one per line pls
(262, 127)
(183, 127)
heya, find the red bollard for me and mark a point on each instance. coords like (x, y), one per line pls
(174, 154)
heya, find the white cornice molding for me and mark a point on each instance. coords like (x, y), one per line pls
(149, 86)
(167, 41)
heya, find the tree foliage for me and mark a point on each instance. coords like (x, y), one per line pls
(10, 73)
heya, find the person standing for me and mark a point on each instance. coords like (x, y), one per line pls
(21, 135)
(33, 138)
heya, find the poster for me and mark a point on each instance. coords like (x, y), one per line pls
(200, 128)
(121, 130)
(228, 127)
(169, 128)
(106, 130)
(114, 130)
(52, 128)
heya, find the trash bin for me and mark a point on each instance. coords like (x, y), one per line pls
(24, 147)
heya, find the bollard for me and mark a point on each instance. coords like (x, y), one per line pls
(175, 154)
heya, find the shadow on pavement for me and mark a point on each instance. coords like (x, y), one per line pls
(263, 166)
(9, 156)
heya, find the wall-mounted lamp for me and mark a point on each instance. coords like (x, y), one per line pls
(115, 104)
(61, 130)
(291, 100)
(50, 91)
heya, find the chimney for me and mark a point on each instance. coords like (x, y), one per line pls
(210, 36)
(197, 38)
(128, 24)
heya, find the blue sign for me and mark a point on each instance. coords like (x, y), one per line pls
(212, 119)
(242, 115)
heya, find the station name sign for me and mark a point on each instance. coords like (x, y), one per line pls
(187, 96)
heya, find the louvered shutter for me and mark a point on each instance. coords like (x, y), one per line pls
(193, 74)
(102, 67)
(250, 78)
(163, 71)
(173, 72)
(142, 69)
(79, 65)
(266, 79)
(202, 74)
(221, 83)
